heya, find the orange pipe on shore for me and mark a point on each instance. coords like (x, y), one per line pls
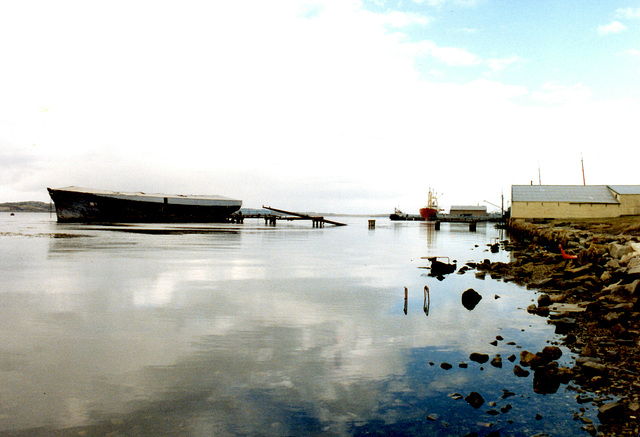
(565, 255)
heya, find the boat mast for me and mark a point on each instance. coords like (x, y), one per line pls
(584, 182)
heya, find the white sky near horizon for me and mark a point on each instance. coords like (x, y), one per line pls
(348, 106)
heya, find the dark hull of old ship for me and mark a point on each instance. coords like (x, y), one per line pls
(84, 207)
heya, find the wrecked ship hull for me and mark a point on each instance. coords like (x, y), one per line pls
(75, 204)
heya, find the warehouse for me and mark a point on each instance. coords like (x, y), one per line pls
(574, 201)
(468, 211)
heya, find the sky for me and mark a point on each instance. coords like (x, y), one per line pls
(346, 106)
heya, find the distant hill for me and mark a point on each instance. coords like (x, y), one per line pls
(24, 207)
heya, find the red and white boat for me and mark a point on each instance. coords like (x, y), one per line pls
(430, 211)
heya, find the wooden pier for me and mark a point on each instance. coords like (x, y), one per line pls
(271, 219)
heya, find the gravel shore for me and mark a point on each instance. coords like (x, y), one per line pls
(590, 293)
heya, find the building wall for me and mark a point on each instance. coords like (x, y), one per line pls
(562, 210)
(473, 212)
(629, 204)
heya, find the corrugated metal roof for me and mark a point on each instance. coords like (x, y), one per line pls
(141, 194)
(626, 189)
(562, 193)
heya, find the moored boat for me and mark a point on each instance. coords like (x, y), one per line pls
(76, 204)
(430, 211)
(398, 215)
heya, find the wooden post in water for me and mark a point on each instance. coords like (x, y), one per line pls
(372, 224)
(427, 301)
(406, 298)
(472, 227)
(437, 225)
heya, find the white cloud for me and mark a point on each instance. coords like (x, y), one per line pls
(613, 27)
(467, 3)
(633, 52)
(555, 93)
(499, 64)
(397, 19)
(628, 13)
(449, 55)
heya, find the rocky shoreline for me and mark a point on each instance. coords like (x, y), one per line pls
(587, 274)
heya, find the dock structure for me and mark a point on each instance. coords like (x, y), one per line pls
(316, 221)
(281, 214)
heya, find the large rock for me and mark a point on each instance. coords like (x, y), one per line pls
(633, 288)
(633, 266)
(611, 412)
(617, 251)
(593, 368)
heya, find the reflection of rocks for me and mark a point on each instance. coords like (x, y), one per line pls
(440, 268)
(497, 362)
(474, 399)
(470, 298)
(479, 358)
(520, 372)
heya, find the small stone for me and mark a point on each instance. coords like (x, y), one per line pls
(497, 362)
(446, 366)
(544, 300)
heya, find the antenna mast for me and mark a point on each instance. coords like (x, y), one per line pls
(539, 176)
(584, 182)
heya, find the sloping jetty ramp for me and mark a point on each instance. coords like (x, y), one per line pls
(317, 221)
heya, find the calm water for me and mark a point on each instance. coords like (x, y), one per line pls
(254, 330)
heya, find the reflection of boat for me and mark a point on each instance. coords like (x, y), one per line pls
(430, 211)
(74, 204)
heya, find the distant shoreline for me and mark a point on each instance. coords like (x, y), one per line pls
(29, 206)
